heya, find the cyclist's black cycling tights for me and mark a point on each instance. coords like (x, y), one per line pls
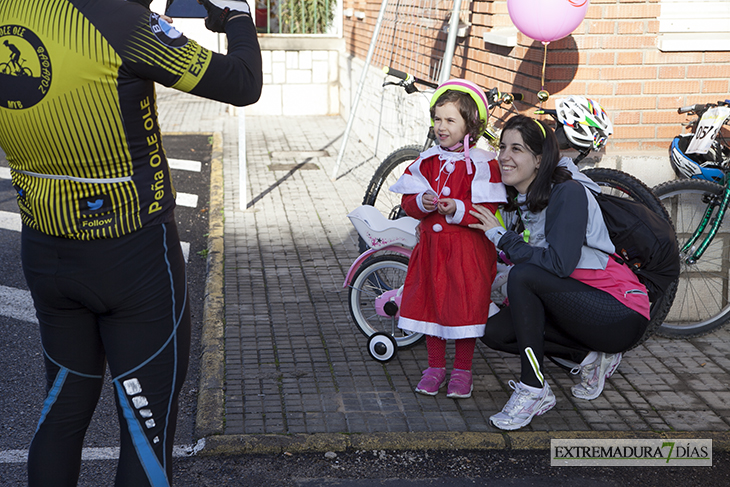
(559, 317)
(120, 300)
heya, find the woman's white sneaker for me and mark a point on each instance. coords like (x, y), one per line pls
(523, 406)
(593, 376)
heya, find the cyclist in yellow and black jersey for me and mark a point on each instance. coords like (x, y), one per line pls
(99, 245)
(83, 126)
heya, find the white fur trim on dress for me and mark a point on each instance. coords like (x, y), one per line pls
(458, 215)
(482, 190)
(445, 332)
(419, 201)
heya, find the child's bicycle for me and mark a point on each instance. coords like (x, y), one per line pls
(371, 277)
(376, 280)
(697, 203)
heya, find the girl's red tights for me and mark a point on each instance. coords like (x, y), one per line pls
(437, 352)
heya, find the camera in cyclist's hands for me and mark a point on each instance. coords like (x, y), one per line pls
(221, 11)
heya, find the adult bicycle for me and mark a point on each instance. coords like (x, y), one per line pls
(697, 204)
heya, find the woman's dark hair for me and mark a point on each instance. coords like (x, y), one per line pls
(541, 141)
(468, 109)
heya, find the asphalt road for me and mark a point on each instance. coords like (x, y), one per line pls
(493, 468)
(22, 379)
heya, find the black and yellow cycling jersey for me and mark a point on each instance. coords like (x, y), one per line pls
(78, 119)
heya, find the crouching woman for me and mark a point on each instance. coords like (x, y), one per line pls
(568, 299)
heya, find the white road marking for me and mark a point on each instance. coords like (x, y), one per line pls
(10, 221)
(110, 453)
(186, 250)
(17, 304)
(5, 173)
(187, 199)
(185, 165)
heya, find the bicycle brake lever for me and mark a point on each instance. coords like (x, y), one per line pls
(410, 87)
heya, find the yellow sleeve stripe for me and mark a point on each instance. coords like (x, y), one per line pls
(199, 63)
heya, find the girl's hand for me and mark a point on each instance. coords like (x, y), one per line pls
(447, 206)
(428, 200)
(486, 218)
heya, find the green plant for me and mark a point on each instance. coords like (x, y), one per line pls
(306, 16)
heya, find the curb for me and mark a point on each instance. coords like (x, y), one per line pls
(210, 415)
(339, 442)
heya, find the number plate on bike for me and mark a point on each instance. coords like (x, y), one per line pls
(707, 129)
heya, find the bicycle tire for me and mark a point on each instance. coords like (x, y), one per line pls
(377, 193)
(703, 303)
(377, 275)
(619, 183)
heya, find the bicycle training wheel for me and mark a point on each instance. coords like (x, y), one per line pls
(378, 275)
(385, 176)
(618, 183)
(703, 300)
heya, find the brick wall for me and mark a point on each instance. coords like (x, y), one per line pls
(612, 57)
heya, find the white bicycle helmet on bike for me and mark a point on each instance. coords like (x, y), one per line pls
(696, 166)
(585, 122)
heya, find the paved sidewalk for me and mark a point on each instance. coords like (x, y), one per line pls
(297, 374)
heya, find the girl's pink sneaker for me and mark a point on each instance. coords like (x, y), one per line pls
(460, 385)
(431, 381)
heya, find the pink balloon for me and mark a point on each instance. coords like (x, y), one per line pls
(547, 20)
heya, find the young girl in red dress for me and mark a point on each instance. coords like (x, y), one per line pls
(447, 289)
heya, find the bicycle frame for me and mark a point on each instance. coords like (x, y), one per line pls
(691, 252)
(715, 225)
(368, 253)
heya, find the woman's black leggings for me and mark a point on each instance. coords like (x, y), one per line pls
(560, 317)
(121, 300)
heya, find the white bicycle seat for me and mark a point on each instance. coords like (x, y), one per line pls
(377, 231)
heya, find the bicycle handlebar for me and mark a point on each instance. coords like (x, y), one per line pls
(700, 108)
(494, 97)
(691, 108)
(408, 78)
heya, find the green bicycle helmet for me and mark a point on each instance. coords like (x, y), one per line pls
(468, 87)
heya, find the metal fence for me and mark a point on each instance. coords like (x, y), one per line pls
(295, 16)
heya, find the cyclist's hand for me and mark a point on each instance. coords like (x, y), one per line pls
(429, 201)
(486, 218)
(221, 11)
(447, 206)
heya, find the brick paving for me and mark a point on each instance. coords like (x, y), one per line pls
(296, 364)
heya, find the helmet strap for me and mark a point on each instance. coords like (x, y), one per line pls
(466, 155)
(465, 145)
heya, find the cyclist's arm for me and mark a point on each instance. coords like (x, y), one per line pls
(157, 51)
(237, 74)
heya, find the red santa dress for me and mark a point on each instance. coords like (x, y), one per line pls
(448, 285)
